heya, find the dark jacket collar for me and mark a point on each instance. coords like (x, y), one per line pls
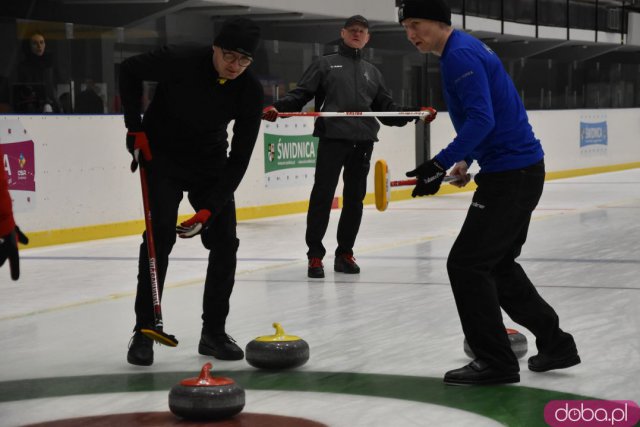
(349, 52)
(44, 61)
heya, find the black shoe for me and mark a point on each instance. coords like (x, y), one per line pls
(316, 269)
(543, 363)
(221, 346)
(479, 373)
(346, 263)
(140, 350)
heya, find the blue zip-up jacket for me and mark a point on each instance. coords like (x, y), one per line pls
(487, 113)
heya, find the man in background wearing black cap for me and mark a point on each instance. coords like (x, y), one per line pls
(492, 127)
(182, 142)
(342, 81)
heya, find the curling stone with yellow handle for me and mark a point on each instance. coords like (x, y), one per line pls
(206, 397)
(279, 351)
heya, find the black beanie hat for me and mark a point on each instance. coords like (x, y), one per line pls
(241, 35)
(435, 10)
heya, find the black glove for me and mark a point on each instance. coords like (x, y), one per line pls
(430, 175)
(9, 249)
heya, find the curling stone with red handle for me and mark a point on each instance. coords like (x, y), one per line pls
(518, 344)
(206, 397)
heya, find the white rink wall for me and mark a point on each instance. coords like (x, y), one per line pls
(560, 134)
(83, 179)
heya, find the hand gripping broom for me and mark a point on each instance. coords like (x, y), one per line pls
(382, 184)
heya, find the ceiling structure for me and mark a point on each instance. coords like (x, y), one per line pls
(121, 13)
(302, 26)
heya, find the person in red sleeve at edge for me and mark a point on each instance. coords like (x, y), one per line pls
(182, 142)
(342, 81)
(10, 234)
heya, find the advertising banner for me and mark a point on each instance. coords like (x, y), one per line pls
(593, 135)
(19, 164)
(290, 153)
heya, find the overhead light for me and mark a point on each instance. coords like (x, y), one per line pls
(277, 16)
(78, 2)
(219, 10)
(380, 28)
(267, 16)
(314, 22)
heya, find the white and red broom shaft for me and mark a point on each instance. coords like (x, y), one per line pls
(414, 181)
(417, 114)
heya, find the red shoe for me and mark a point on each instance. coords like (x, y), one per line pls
(316, 269)
(346, 263)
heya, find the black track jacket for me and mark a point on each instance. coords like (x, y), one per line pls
(343, 81)
(188, 117)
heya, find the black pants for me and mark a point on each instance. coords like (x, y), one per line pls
(485, 276)
(167, 181)
(333, 155)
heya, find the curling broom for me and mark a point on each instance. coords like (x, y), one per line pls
(156, 333)
(382, 184)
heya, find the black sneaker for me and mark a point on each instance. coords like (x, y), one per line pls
(543, 363)
(221, 346)
(316, 269)
(346, 263)
(479, 372)
(140, 350)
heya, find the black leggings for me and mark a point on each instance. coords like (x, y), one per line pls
(485, 276)
(166, 185)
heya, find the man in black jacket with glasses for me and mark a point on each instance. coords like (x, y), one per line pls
(182, 142)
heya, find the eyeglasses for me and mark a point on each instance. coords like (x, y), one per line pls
(230, 57)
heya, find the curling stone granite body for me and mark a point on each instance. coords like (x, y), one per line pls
(279, 351)
(518, 344)
(206, 397)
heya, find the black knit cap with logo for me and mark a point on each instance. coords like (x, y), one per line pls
(240, 35)
(435, 10)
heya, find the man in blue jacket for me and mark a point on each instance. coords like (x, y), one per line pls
(492, 127)
(342, 81)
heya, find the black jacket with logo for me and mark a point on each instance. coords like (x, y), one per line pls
(343, 81)
(191, 109)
